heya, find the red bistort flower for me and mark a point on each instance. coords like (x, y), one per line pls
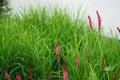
(90, 23)
(58, 51)
(118, 29)
(7, 75)
(116, 74)
(65, 74)
(77, 62)
(30, 70)
(18, 76)
(99, 21)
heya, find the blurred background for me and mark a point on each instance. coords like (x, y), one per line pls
(108, 9)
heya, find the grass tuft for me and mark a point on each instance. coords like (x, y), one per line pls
(31, 41)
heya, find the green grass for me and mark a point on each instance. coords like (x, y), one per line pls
(31, 42)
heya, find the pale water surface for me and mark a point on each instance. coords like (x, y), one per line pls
(108, 9)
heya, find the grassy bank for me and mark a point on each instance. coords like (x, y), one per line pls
(30, 43)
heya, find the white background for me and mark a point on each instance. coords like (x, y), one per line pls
(108, 9)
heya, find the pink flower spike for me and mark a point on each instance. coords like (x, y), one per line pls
(116, 74)
(58, 51)
(90, 23)
(99, 21)
(7, 75)
(18, 76)
(64, 65)
(118, 29)
(65, 74)
(77, 62)
(31, 78)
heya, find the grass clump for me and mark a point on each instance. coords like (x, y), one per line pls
(30, 42)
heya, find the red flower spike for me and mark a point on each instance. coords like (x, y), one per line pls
(116, 74)
(77, 62)
(65, 74)
(30, 70)
(90, 23)
(64, 65)
(118, 29)
(99, 21)
(18, 76)
(58, 51)
(7, 75)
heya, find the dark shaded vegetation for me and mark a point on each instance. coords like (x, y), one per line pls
(4, 9)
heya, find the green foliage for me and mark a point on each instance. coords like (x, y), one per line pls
(4, 9)
(31, 41)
